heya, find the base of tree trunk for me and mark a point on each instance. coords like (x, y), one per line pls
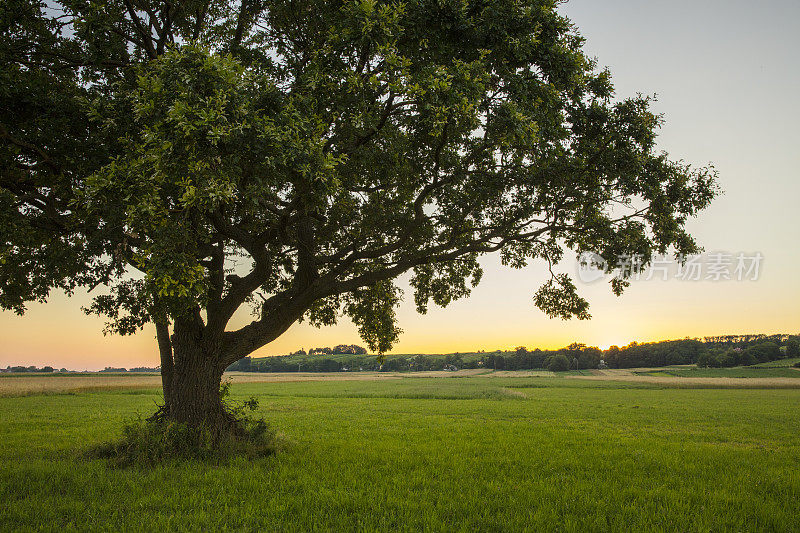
(219, 435)
(219, 424)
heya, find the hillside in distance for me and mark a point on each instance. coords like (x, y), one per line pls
(714, 352)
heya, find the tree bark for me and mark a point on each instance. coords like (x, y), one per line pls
(195, 398)
(197, 374)
(167, 365)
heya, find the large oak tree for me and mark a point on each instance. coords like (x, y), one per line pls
(188, 158)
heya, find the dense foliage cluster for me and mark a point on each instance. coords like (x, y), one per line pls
(339, 349)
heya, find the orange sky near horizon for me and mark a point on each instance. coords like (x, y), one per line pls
(720, 71)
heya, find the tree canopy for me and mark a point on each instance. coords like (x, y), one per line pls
(297, 156)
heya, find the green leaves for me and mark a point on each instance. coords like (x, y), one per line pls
(559, 298)
(445, 282)
(372, 309)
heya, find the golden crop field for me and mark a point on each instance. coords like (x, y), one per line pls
(26, 384)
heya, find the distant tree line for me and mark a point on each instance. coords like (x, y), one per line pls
(757, 353)
(721, 351)
(574, 357)
(339, 349)
(679, 352)
(64, 370)
(31, 369)
(753, 338)
(284, 363)
(712, 352)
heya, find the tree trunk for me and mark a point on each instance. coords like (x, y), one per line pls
(167, 365)
(195, 398)
(194, 395)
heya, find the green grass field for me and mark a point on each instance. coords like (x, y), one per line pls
(459, 454)
(735, 372)
(779, 363)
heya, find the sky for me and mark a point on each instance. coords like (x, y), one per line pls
(726, 76)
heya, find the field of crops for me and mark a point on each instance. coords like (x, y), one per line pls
(790, 362)
(465, 453)
(735, 372)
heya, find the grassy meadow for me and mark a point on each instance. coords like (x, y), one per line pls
(423, 453)
(789, 362)
(734, 372)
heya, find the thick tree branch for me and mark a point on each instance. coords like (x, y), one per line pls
(55, 167)
(147, 37)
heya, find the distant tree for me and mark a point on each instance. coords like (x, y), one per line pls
(712, 359)
(764, 351)
(676, 357)
(454, 360)
(746, 359)
(497, 362)
(558, 363)
(590, 357)
(329, 365)
(332, 146)
(792, 348)
(348, 349)
(728, 358)
(423, 363)
(611, 356)
(245, 364)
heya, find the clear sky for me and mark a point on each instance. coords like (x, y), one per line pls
(727, 77)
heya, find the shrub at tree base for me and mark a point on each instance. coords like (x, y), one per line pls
(159, 439)
(148, 443)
